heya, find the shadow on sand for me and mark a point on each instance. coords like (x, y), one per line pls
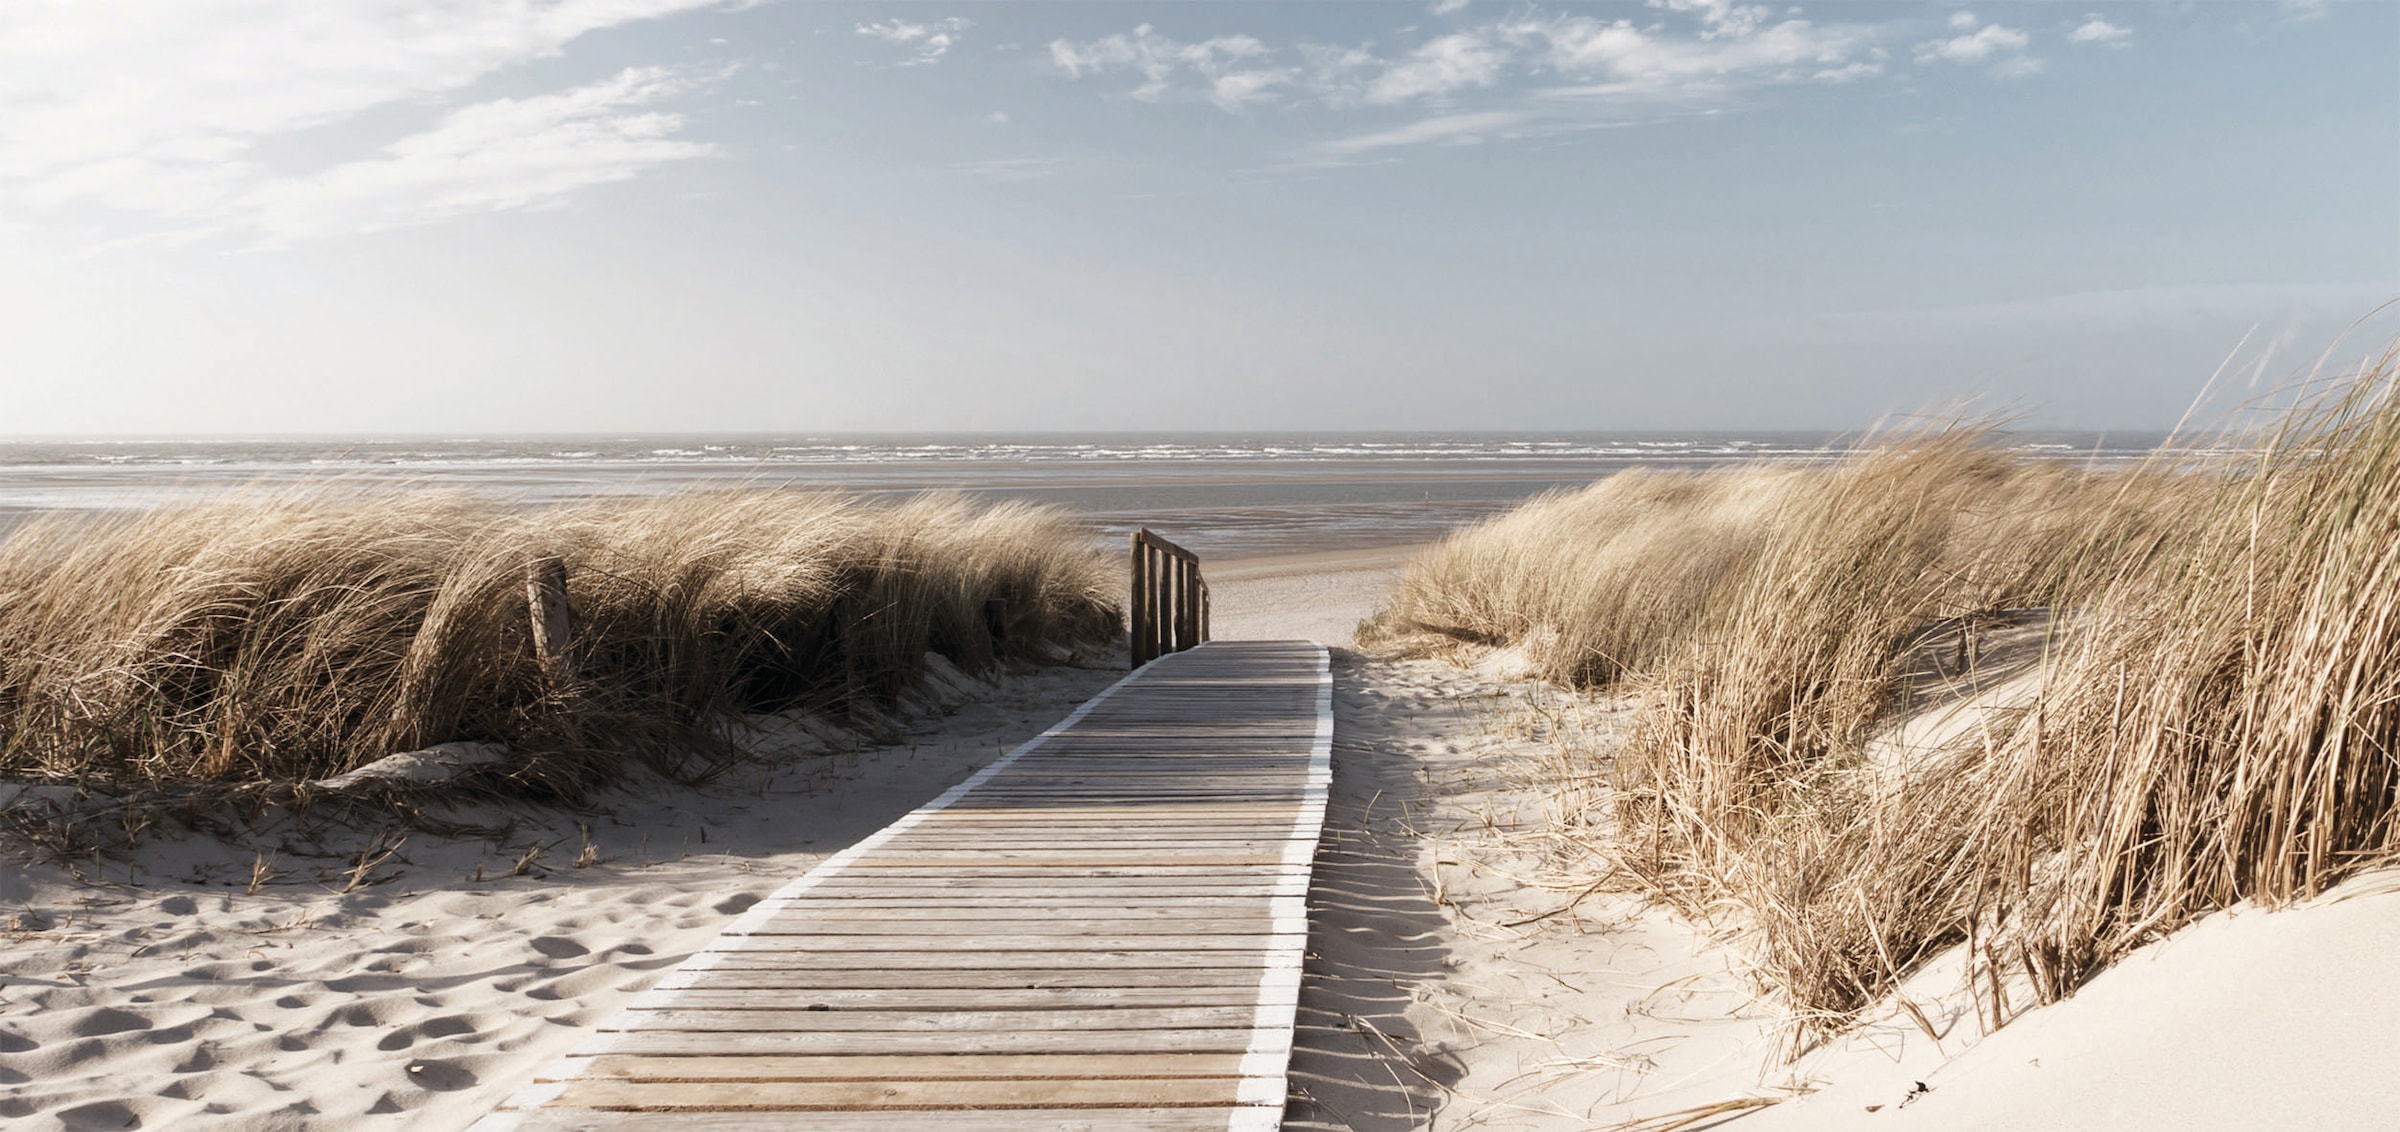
(1374, 933)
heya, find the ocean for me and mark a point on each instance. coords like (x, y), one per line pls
(1222, 494)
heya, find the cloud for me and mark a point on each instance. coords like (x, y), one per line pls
(2002, 46)
(2097, 30)
(1850, 72)
(1446, 129)
(929, 41)
(1447, 7)
(1589, 58)
(158, 107)
(1974, 47)
(492, 156)
(1218, 69)
(1448, 64)
(1736, 47)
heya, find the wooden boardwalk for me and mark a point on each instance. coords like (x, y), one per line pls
(1102, 930)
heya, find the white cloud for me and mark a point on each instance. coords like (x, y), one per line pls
(2305, 9)
(1447, 7)
(1850, 72)
(928, 41)
(1983, 43)
(1963, 21)
(1217, 69)
(1734, 48)
(2097, 30)
(1446, 129)
(158, 107)
(492, 156)
(1450, 63)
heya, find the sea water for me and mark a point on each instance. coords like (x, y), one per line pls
(1222, 494)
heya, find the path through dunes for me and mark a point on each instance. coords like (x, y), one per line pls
(1102, 930)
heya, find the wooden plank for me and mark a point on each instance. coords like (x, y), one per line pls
(1057, 930)
(1043, 959)
(1025, 1020)
(1021, 1067)
(1180, 907)
(1088, 1042)
(994, 945)
(1242, 994)
(912, 1120)
(932, 981)
(837, 1096)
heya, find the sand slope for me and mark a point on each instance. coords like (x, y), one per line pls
(2247, 1019)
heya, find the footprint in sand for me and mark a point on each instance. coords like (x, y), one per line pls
(440, 1076)
(558, 947)
(108, 1020)
(98, 1115)
(448, 1026)
(736, 904)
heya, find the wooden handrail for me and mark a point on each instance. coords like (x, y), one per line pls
(1170, 598)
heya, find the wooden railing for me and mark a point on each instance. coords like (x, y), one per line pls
(1170, 600)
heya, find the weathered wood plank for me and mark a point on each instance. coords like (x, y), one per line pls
(914, 1120)
(838, 1096)
(1043, 959)
(1061, 925)
(927, 1067)
(1244, 995)
(990, 944)
(932, 981)
(1026, 1020)
(1091, 1042)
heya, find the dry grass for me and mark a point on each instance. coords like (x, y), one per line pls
(292, 637)
(2221, 724)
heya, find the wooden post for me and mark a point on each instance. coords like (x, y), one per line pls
(1187, 607)
(1173, 596)
(546, 599)
(1162, 634)
(1138, 610)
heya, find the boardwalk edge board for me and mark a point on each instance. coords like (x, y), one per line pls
(1272, 940)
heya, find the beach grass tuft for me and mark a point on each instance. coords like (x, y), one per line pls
(291, 636)
(2210, 713)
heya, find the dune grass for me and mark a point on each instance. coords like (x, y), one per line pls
(288, 637)
(2216, 718)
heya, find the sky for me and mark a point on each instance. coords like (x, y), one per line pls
(260, 216)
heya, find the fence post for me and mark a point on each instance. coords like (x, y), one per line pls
(546, 602)
(1187, 609)
(1138, 611)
